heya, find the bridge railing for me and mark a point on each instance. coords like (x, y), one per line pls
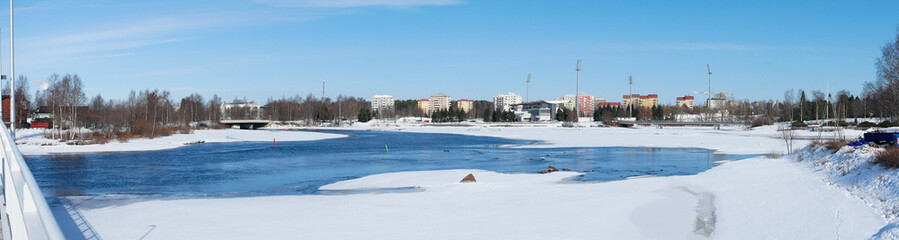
(26, 214)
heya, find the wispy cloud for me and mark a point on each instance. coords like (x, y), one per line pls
(101, 42)
(358, 3)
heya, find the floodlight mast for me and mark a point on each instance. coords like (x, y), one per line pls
(709, 100)
(577, 90)
(527, 94)
(630, 92)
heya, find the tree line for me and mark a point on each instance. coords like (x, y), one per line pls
(150, 113)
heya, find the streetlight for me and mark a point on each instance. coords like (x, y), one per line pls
(12, 73)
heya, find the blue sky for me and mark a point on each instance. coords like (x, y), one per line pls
(470, 49)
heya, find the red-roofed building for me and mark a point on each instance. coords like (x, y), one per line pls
(610, 104)
(686, 101)
(465, 105)
(424, 105)
(637, 100)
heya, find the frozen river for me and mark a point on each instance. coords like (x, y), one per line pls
(288, 168)
(253, 169)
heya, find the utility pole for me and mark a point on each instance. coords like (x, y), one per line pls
(827, 105)
(12, 74)
(527, 94)
(339, 118)
(577, 90)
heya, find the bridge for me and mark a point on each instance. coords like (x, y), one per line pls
(245, 124)
(24, 213)
(660, 124)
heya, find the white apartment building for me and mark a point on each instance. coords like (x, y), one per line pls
(438, 102)
(382, 104)
(505, 101)
(569, 101)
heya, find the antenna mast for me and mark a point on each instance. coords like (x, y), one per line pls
(323, 89)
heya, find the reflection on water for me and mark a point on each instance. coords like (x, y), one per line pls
(250, 169)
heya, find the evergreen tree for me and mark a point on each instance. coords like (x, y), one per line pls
(364, 115)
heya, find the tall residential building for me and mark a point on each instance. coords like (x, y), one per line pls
(637, 100)
(465, 105)
(425, 106)
(685, 101)
(568, 101)
(382, 104)
(585, 105)
(438, 102)
(505, 101)
(628, 101)
(651, 100)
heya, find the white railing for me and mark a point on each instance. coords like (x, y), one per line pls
(25, 214)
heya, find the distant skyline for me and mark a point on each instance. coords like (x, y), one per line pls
(467, 49)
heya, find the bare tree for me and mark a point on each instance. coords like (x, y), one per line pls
(787, 135)
(22, 99)
(886, 87)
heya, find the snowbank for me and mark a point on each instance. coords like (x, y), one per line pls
(440, 178)
(32, 141)
(749, 199)
(852, 168)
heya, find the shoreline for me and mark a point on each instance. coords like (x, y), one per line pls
(727, 140)
(33, 143)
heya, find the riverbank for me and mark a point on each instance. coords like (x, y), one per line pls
(727, 140)
(33, 142)
(747, 199)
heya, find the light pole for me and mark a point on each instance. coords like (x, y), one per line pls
(527, 93)
(12, 73)
(577, 93)
(709, 100)
(630, 95)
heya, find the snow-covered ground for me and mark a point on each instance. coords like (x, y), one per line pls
(852, 169)
(729, 140)
(749, 199)
(33, 142)
(758, 198)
